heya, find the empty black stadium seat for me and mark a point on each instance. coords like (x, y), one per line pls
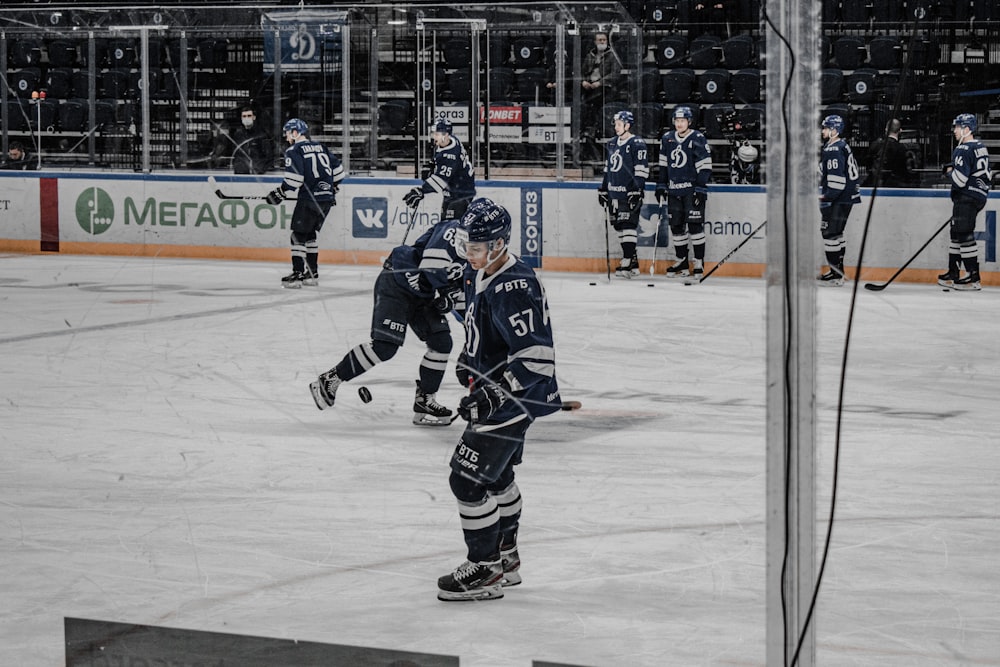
(456, 53)
(501, 83)
(831, 85)
(121, 53)
(26, 52)
(739, 51)
(751, 120)
(885, 52)
(650, 85)
(648, 120)
(25, 81)
(678, 84)
(860, 86)
(745, 86)
(62, 53)
(116, 83)
(706, 51)
(849, 52)
(661, 12)
(671, 51)
(105, 112)
(713, 85)
(59, 82)
(528, 51)
(73, 116)
(854, 11)
(213, 53)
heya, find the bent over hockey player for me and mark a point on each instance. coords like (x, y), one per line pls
(453, 175)
(313, 172)
(685, 169)
(839, 180)
(510, 361)
(417, 287)
(969, 171)
(622, 189)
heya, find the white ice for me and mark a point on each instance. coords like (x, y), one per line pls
(163, 463)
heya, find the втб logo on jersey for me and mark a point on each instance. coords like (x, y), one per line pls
(94, 211)
(370, 217)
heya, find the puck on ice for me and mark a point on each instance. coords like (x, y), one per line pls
(366, 396)
(650, 284)
(593, 284)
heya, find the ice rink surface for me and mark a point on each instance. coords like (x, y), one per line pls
(163, 463)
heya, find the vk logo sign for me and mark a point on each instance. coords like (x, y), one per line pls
(370, 218)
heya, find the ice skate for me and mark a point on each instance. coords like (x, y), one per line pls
(292, 281)
(968, 283)
(832, 278)
(428, 412)
(948, 279)
(510, 561)
(324, 389)
(628, 268)
(309, 278)
(472, 581)
(678, 269)
(699, 268)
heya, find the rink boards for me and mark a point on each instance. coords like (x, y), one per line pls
(557, 226)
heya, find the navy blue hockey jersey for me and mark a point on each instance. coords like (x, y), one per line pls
(508, 339)
(453, 174)
(970, 173)
(431, 263)
(312, 169)
(685, 163)
(627, 167)
(839, 174)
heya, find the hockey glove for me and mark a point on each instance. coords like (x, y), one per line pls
(634, 200)
(462, 371)
(661, 193)
(444, 302)
(602, 198)
(413, 197)
(275, 196)
(699, 199)
(482, 403)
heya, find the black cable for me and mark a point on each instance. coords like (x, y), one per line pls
(897, 105)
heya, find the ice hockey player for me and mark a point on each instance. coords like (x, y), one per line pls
(839, 181)
(314, 173)
(969, 171)
(509, 359)
(418, 286)
(621, 192)
(685, 169)
(453, 175)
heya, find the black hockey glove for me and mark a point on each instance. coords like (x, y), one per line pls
(482, 403)
(275, 196)
(634, 200)
(462, 371)
(602, 198)
(661, 193)
(444, 302)
(413, 197)
(700, 197)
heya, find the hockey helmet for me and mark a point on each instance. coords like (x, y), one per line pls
(295, 125)
(625, 116)
(486, 221)
(966, 120)
(747, 153)
(835, 123)
(683, 112)
(442, 125)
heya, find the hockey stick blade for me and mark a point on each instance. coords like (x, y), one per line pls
(222, 195)
(876, 288)
(571, 405)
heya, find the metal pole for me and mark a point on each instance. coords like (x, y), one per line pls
(792, 33)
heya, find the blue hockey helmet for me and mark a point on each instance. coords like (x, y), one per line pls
(442, 125)
(966, 120)
(683, 112)
(486, 221)
(625, 116)
(835, 123)
(295, 125)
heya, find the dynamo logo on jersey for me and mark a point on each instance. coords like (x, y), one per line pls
(370, 217)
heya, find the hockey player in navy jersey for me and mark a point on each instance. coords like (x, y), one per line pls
(685, 169)
(418, 286)
(839, 181)
(510, 361)
(453, 175)
(969, 171)
(314, 173)
(621, 191)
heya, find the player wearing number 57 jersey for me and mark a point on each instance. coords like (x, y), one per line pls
(970, 176)
(839, 181)
(510, 361)
(313, 172)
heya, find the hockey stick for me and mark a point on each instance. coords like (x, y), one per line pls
(607, 235)
(878, 288)
(413, 220)
(656, 242)
(731, 253)
(221, 195)
(571, 405)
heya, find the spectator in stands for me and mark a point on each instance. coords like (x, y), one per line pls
(601, 74)
(252, 147)
(896, 172)
(18, 158)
